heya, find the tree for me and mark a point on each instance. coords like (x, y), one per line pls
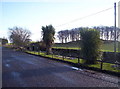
(61, 36)
(118, 33)
(66, 35)
(90, 44)
(3, 41)
(106, 33)
(48, 37)
(19, 36)
(72, 34)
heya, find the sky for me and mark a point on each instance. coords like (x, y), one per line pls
(62, 14)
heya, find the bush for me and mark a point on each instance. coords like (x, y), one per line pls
(42, 46)
(90, 45)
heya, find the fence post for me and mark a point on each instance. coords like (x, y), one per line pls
(34, 48)
(52, 55)
(63, 57)
(78, 60)
(44, 54)
(101, 65)
(38, 52)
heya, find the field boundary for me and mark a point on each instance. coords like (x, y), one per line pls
(80, 65)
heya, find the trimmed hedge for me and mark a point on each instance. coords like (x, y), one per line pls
(106, 56)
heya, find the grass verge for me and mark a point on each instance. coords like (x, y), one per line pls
(106, 66)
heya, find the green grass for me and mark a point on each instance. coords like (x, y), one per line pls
(107, 46)
(106, 66)
(66, 48)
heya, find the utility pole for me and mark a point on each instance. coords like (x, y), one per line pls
(115, 32)
(115, 28)
(119, 25)
(119, 14)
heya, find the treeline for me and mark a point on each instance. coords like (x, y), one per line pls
(89, 37)
(106, 33)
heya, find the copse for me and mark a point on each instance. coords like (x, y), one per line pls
(106, 33)
(90, 45)
(48, 33)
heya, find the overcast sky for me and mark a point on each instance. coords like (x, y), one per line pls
(32, 15)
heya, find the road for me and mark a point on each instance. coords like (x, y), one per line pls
(24, 70)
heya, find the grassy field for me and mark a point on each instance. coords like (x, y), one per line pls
(107, 46)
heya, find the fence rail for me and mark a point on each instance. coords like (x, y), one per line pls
(107, 57)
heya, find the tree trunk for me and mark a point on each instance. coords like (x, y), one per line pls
(62, 40)
(48, 49)
(90, 62)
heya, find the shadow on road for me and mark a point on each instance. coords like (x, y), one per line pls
(35, 72)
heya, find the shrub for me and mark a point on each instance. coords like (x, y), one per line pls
(90, 44)
(42, 46)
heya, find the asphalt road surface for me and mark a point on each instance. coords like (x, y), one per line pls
(23, 70)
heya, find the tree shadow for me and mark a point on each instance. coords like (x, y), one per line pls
(34, 72)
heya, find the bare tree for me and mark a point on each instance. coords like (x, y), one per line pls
(72, 35)
(118, 33)
(19, 36)
(66, 35)
(61, 36)
(106, 33)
